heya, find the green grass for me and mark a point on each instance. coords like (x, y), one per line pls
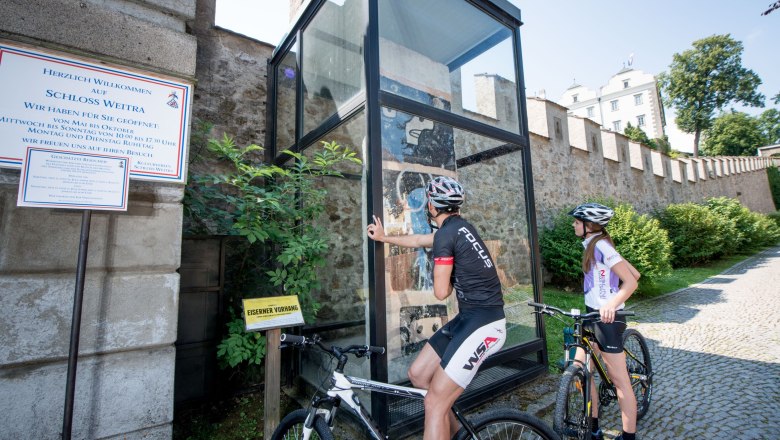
(678, 279)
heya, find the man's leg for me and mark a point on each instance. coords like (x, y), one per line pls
(442, 394)
(421, 373)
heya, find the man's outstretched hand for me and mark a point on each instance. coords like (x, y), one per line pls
(375, 230)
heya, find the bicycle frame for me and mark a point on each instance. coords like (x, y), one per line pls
(342, 390)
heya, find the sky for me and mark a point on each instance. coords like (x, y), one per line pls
(564, 41)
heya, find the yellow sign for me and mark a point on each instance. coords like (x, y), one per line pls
(273, 312)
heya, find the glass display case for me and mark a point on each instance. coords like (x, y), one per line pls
(419, 89)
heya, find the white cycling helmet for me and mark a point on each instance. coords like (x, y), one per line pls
(445, 193)
(593, 212)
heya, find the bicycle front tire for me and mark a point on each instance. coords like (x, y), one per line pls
(291, 427)
(640, 370)
(570, 419)
(509, 424)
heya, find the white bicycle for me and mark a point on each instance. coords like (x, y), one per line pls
(318, 421)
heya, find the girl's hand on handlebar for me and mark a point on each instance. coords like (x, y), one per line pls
(607, 313)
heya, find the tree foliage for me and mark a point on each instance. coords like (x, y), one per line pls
(769, 124)
(636, 134)
(706, 78)
(733, 134)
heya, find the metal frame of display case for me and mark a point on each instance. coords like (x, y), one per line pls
(371, 100)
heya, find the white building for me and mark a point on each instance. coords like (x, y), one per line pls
(629, 96)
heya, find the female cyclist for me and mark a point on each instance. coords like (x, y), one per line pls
(609, 282)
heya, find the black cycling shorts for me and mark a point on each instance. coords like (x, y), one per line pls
(466, 341)
(609, 337)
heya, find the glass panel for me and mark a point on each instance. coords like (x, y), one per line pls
(286, 74)
(348, 134)
(415, 150)
(343, 294)
(450, 55)
(332, 60)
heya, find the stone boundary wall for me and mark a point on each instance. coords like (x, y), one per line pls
(124, 386)
(574, 158)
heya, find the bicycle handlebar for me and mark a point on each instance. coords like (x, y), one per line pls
(548, 309)
(303, 341)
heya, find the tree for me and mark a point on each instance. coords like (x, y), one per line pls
(769, 124)
(704, 80)
(733, 134)
(776, 99)
(772, 7)
(636, 134)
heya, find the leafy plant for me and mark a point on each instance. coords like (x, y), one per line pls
(641, 240)
(561, 251)
(240, 346)
(273, 210)
(697, 233)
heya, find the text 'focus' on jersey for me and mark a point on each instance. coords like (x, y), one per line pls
(474, 275)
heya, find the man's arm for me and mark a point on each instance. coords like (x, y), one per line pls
(376, 232)
(442, 288)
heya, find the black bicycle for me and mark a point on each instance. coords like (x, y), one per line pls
(573, 401)
(318, 421)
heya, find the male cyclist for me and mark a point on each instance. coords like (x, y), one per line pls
(451, 357)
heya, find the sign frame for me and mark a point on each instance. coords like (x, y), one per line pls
(142, 133)
(24, 182)
(272, 312)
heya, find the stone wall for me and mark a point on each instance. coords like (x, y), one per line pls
(124, 386)
(574, 158)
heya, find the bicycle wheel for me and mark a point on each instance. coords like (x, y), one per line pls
(291, 427)
(509, 424)
(570, 419)
(639, 369)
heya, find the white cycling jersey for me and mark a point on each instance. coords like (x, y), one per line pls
(601, 284)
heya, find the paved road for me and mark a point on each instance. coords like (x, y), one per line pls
(715, 348)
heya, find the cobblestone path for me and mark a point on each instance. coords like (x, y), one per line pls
(715, 349)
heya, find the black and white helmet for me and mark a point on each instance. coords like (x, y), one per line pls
(445, 193)
(593, 212)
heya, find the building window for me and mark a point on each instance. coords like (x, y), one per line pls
(614, 105)
(640, 120)
(638, 99)
(625, 84)
(590, 112)
(574, 97)
(616, 126)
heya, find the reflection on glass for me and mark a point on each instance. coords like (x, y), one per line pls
(343, 279)
(332, 60)
(350, 134)
(286, 74)
(415, 150)
(450, 55)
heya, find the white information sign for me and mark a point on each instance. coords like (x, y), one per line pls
(56, 101)
(65, 179)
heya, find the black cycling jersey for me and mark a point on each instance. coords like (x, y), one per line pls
(474, 275)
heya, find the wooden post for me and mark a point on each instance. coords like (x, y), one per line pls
(273, 365)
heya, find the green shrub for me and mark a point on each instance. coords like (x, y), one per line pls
(695, 231)
(766, 230)
(736, 222)
(775, 216)
(641, 240)
(751, 229)
(774, 184)
(638, 238)
(562, 251)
